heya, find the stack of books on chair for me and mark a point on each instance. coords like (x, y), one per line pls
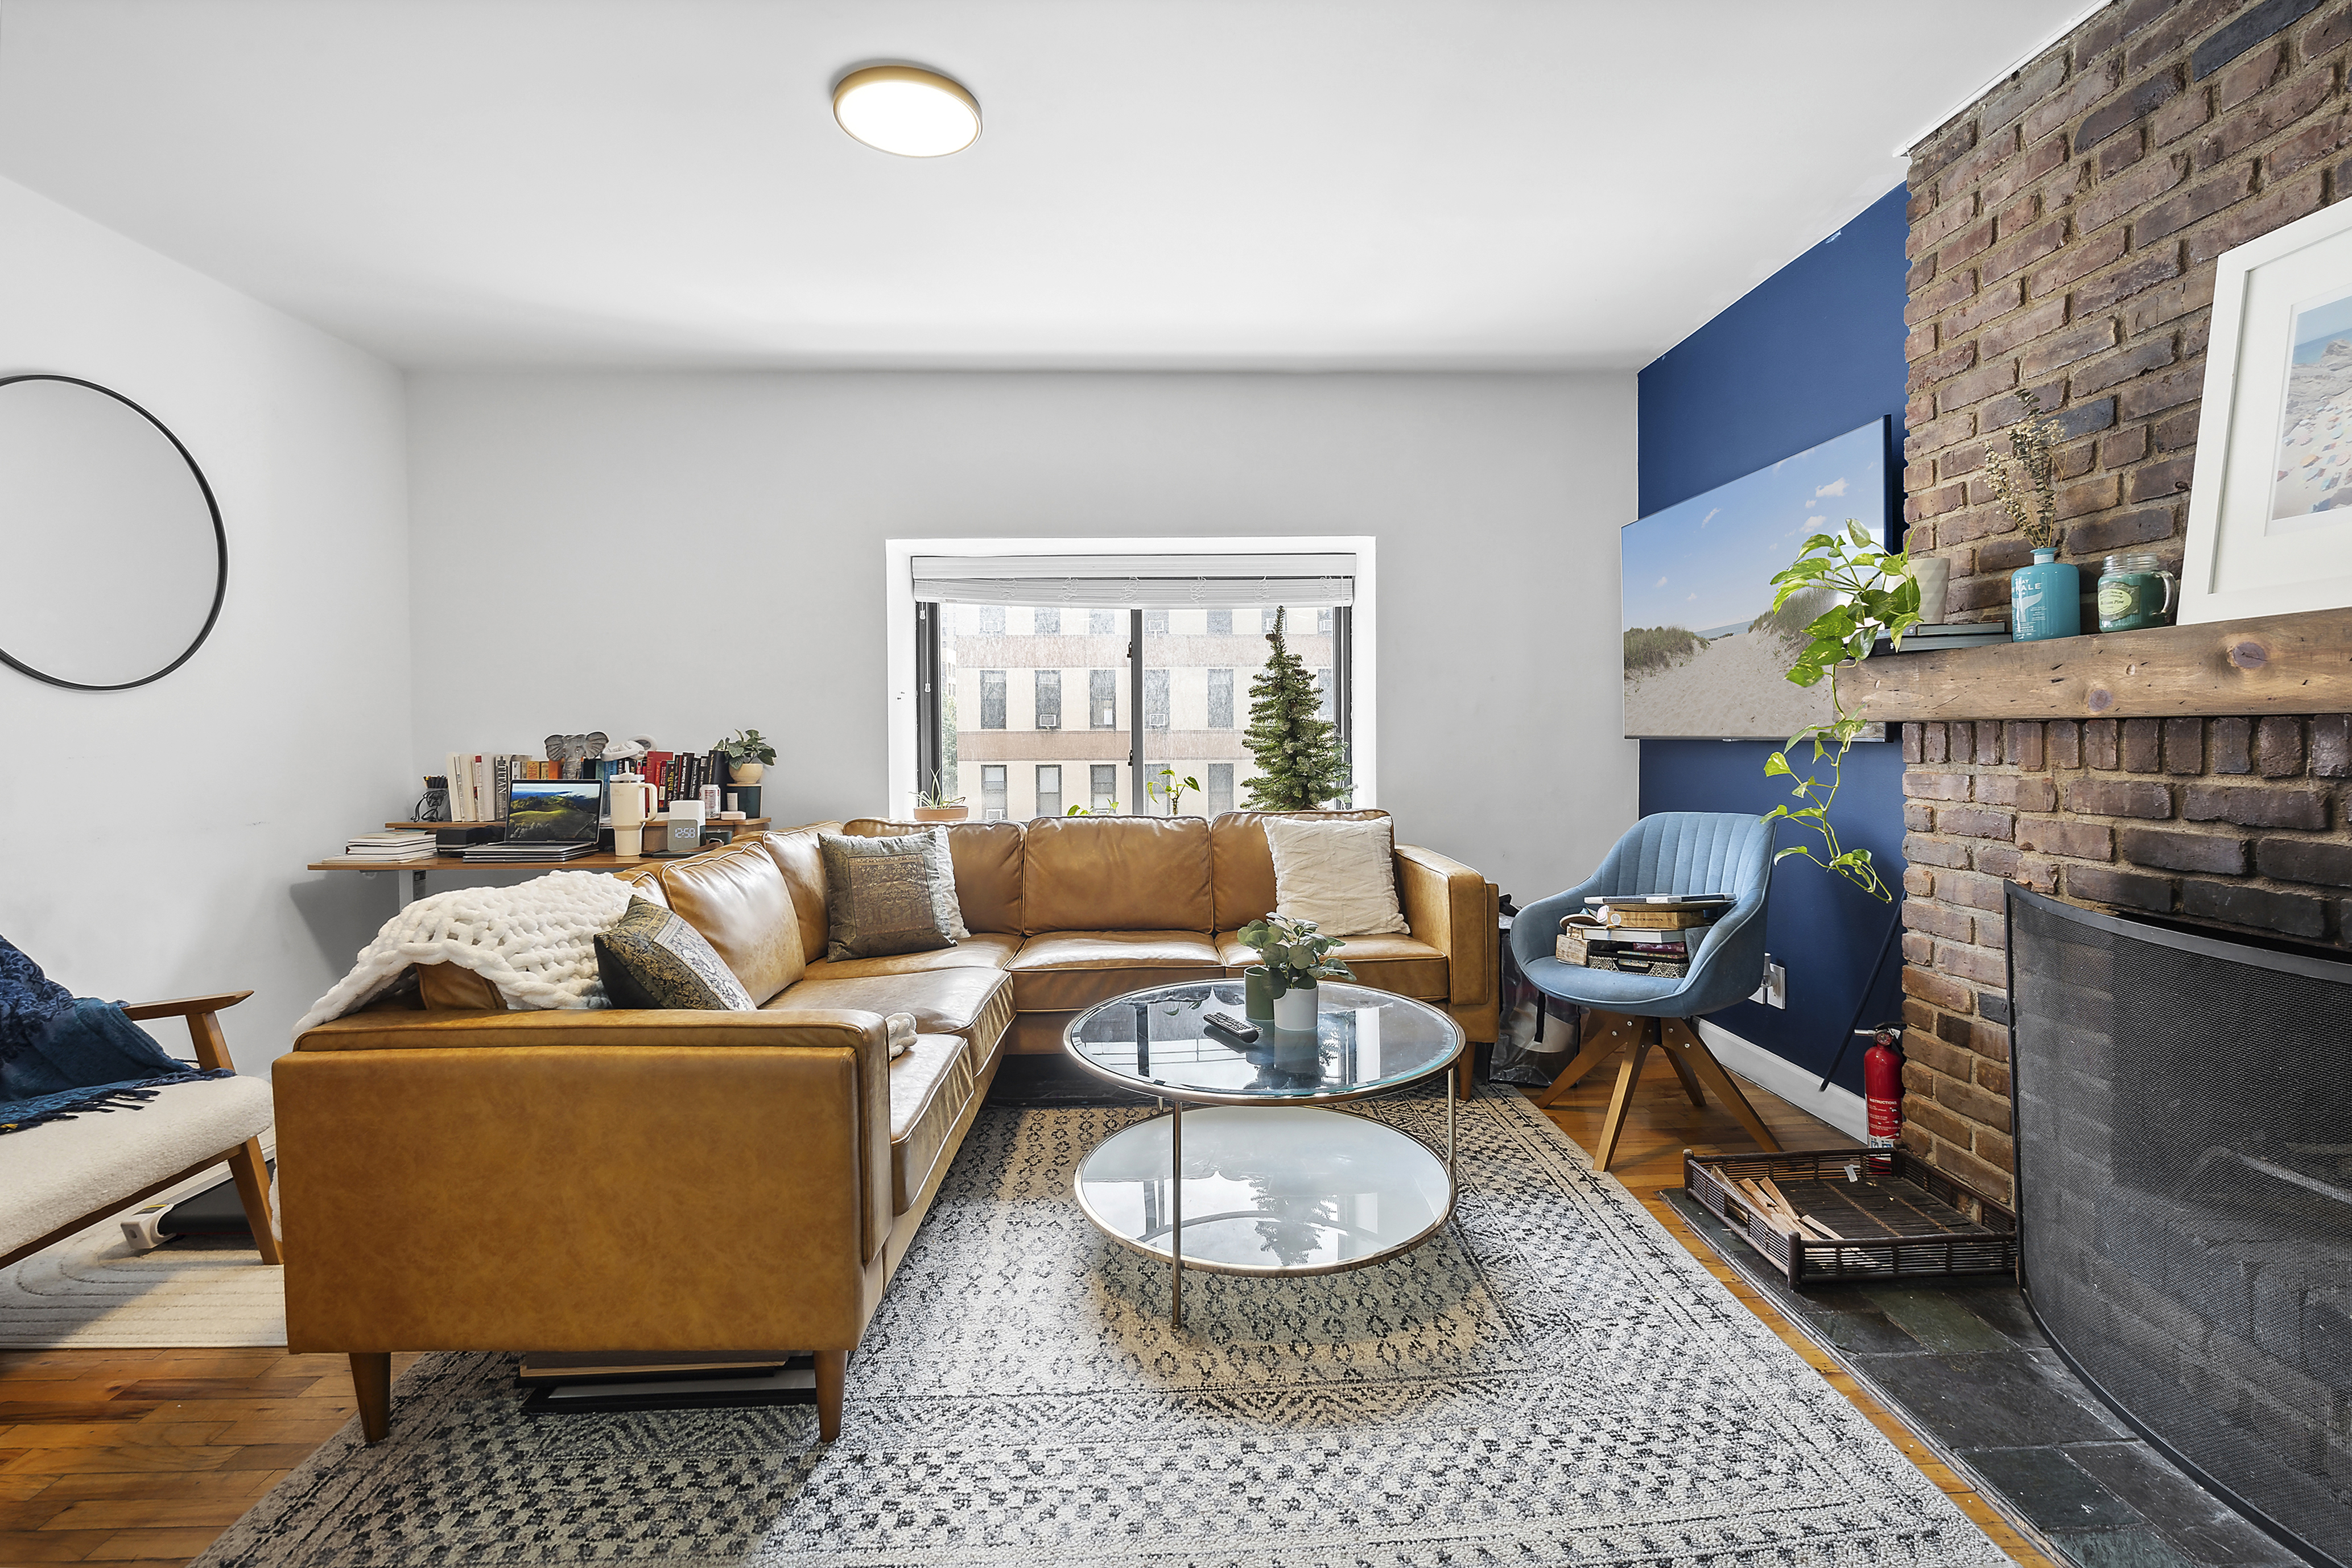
(396, 849)
(1651, 935)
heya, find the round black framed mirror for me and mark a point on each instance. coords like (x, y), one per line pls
(111, 533)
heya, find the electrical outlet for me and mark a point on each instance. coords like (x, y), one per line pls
(1774, 991)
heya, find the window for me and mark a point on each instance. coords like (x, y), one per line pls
(992, 620)
(1049, 623)
(1155, 700)
(1105, 786)
(1221, 623)
(1049, 789)
(1049, 699)
(1323, 622)
(992, 806)
(1155, 623)
(1266, 619)
(1102, 698)
(1220, 700)
(1323, 692)
(1102, 623)
(992, 699)
(1221, 787)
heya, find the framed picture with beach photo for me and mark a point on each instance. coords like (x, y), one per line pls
(1706, 656)
(2270, 509)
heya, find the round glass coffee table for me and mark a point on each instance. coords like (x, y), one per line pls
(1272, 1179)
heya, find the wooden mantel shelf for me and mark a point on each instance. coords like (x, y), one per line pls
(2272, 664)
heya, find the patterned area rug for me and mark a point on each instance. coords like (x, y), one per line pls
(1551, 1379)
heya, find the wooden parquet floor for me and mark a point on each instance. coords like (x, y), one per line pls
(143, 1456)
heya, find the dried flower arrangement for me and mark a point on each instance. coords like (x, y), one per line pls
(2027, 464)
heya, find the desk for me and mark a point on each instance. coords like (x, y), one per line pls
(411, 888)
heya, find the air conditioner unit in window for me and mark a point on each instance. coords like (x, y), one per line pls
(1049, 723)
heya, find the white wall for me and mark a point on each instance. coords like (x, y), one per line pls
(686, 555)
(156, 837)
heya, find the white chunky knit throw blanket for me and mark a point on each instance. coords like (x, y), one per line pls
(535, 942)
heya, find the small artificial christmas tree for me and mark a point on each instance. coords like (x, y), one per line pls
(1300, 762)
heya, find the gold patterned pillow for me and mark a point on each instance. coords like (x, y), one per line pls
(652, 958)
(882, 896)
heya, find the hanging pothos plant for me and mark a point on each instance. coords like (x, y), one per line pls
(1875, 595)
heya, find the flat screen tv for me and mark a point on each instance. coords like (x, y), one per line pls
(1705, 657)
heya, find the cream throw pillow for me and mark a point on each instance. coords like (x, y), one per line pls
(1341, 875)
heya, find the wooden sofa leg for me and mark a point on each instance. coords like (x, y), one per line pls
(252, 1173)
(832, 1378)
(372, 1382)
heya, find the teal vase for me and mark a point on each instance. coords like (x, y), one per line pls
(2044, 599)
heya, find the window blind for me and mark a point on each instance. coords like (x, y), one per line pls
(1323, 577)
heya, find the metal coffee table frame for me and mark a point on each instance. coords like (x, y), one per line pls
(1173, 1101)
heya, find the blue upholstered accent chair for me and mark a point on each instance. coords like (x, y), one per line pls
(1688, 852)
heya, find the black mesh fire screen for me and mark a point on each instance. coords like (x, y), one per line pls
(2184, 1168)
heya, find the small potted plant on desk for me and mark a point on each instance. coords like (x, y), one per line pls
(935, 805)
(1296, 955)
(748, 756)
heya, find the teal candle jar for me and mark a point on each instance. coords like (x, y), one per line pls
(2044, 599)
(2134, 593)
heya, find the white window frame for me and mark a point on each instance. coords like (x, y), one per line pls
(898, 627)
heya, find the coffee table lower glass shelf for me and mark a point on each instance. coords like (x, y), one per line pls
(1263, 1177)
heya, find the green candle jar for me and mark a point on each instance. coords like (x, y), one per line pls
(2135, 592)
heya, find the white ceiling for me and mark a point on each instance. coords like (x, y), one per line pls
(1188, 184)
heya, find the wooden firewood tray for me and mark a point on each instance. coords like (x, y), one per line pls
(1899, 1217)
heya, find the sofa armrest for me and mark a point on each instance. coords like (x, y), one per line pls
(1451, 908)
(454, 1170)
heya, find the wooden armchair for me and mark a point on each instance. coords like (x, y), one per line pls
(52, 1143)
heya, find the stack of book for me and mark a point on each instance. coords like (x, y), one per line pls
(1925, 639)
(495, 854)
(389, 849)
(1647, 935)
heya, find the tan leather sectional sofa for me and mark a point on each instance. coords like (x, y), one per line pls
(455, 1177)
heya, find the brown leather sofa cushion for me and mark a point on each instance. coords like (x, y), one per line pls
(930, 1085)
(796, 855)
(987, 857)
(943, 1001)
(738, 899)
(1403, 964)
(1116, 874)
(1058, 970)
(1242, 867)
(645, 883)
(987, 951)
(445, 987)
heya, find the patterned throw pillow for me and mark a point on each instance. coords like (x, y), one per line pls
(651, 958)
(943, 888)
(882, 896)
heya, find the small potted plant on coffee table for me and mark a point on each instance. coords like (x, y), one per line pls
(1296, 955)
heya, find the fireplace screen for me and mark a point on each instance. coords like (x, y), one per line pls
(2184, 1166)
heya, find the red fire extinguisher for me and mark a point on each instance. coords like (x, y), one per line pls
(1882, 1082)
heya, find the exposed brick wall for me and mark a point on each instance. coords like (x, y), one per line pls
(2239, 823)
(2064, 233)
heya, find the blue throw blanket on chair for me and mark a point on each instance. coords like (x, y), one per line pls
(62, 1054)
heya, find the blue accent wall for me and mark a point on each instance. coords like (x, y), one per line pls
(1812, 351)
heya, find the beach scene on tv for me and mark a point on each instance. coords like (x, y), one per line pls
(2313, 481)
(1705, 655)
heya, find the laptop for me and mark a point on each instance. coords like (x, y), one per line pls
(547, 819)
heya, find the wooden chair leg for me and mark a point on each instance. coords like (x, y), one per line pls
(832, 1378)
(1684, 1041)
(372, 1382)
(1605, 1034)
(252, 1173)
(1620, 1102)
(1690, 1079)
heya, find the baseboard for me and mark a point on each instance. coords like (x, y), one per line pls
(1841, 1107)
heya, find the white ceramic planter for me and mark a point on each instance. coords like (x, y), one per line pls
(1295, 1008)
(747, 772)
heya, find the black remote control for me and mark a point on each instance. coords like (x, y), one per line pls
(1226, 1024)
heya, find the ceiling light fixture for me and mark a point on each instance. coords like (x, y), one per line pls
(907, 111)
